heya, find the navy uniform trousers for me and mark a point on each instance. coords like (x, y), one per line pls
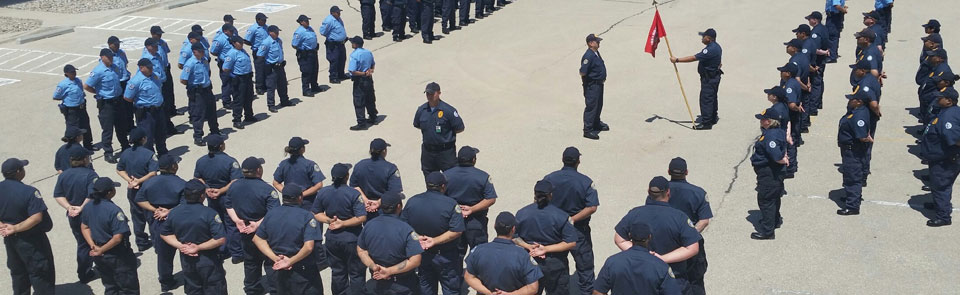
(386, 14)
(309, 66)
(203, 275)
(815, 98)
(347, 271)
(226, 90)
(118, 271)
(593, 98)
(112, 116)
(78, 117)
(414, 9)
(30, 260)
(769, 192)
(256, 282)
(84, 262)
(242, 96)
(233, 247)
(448, 17)
(835, 27)
(426, 19)
(398, 19)
(403, 284)
(302, 278)
(437, 157)
(364, 99)
(583, 258)
(276, 83)
(368, 13)
(203, 108)
(153, 122)
(441, 263)
(943, 174)
(475, 233)
(853, 159)
(139, 218)
(164, 251)
(336, 55)
(260, 74)
(709, 85)
(556, 279)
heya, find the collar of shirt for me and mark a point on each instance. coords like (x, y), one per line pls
(502, 240)
(568, 168)
(639, 248)
(650, 201)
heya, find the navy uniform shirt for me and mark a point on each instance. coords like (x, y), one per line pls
(301, 171)
(820, 35)
(940, 138)
(810, 47)
(376, 177)
(431, 214)
(872, 55)
(137, 162)
(438, 125)
(502, 265)
(709, 59)
(769, 148)
(105, 220)
(19, 201)
(304, 38)
(792, 87)
(217, 171)
(70, 93)
(342, 202)
(881, 39)
(635, 271)
(592, 67)
(287, 227)
(929, 84)
(144, 91)
(163, 190)
(802, 61)
(869, 85)
(75, 184)
(547, 226)
(783, 114)
(194, 223)
(671, 229)
(61, 160)
(572, 191)
(855, 125)
(690, 199)
(469, 185)
(389, 240)
(251, 198)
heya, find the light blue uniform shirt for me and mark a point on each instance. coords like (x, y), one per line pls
(361, 60)
(238, 62)
(70, 93)
(333, 29)
(162, 51)
(106, 80)
(257, 34)
(304, 38)
(144, 91)
(121, 61)
(186, 52)
(158, 67)
(831, 3)
(221, 44)
(272, 49)
(882, 3)
(196, 72)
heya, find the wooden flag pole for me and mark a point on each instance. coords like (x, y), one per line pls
(677, 72)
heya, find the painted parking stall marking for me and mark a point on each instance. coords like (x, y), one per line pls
(44, 62)
(175, 26)
(267, 8)
(5, 81)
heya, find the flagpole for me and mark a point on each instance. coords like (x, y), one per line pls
(677, 72)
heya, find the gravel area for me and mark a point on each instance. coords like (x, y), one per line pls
(14, 25)
(75, 6)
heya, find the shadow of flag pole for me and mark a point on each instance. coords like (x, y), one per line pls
(670, 51)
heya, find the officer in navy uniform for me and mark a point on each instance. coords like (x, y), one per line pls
(807, 50)
(709, 68)
(73, 103)
(368, 15)
(438, 221)
(820, 42)
(675, 240)
(931, 42)
(197, 232)
(940, 146)
(426, 20)
(835, 10)
(791, 86)
(884, 9)
(871, 20)
(501, 265)
(221, 48)
(299, 170)
(547, 233)
(414, 9)
(398, 19)
(341, 207)
(768, 160)
(439, 124)
(157, 196)
(104, 83)
(386, 14)
(870, 52)
(247, 201)
(593, 73)
(448, 16)
(778, 96)
(391, 250)
(473, 190)
(636, 270)
(852, 138)
(72, 138)
(871, 87)
(72, 191)
(137, 164)
(332, 28)
(692, 201)
(256, 34)
(203, 106)
(802, 61)
(304, 41)
(271, 51)
(143, 90)
(105, 230)
(375, 176)
(937, 61)
(287, 238)
(574, 193)
(238, 64)
(360, 69)
(218, 171)
(24, 223)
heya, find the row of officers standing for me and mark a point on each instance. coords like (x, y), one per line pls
(417, 246)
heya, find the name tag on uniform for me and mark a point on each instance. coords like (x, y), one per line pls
(438, 128)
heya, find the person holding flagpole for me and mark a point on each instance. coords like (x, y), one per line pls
(709, 69)
(593, 73)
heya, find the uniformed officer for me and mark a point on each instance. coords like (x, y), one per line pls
(360, 70)
(791, 87)
(256, 34)
(835, 10)
(287, 238)
(426, 20)
(124, 117)
(414, 9)
(72, 138)
(221, 48)
(343, 209)
(944, 80)
(227, 20)
(104, 83)
(368, 15)
(299, 170)
(238, 64)
(203, 105)
(391, 250)
(439, 124)
(778, 97)
(884, 9)
(375, 176)
(501, 265)
(593, 73)
(218, 171)
(852, 138)
(932, 41)
(144, 92)
(869, 85)
(709, 68)
(386, 14)
(186, 50)
(305, 42)
(871, 20)
(247, 201)
(548, 234)
(136, 165)
(937, 63)
(865, 50)
(438, 221)
(199, 30)
(768, 160)
(811, 48)
(24, 223)
(940, 146)
(473, 190)
(162, 69)
(448, 16)
(635, 270)
(398, 19)
(332, 28)
(72, 192)
(271, 50)
(692, 201)
(157, 196)
(105, 229)
(197, 232)
(574, 193)
(818, 39)
(73, 103)
(802, 61)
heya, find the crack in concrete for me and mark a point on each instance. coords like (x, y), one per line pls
(736, 173)
(631, 16)
(351, 7)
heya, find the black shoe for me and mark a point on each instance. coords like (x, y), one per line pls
(427, 41)
(261, 92)
(387, 29)
(90, 276)
(414, 31)
(251, 120)
(372, 121)
(703, 126)
(110, 158)
(397, 39)
(814, 114)
(759, 236)
(930, 206)
(847, 212)
(805, 130)
(864, 184)
(272, 109)
(779, 223)
(334, 81)
(604, 127)
(938, 222)
(237, 125)
(789, 175)
(368, 37)
(165, 287)
(480, 16)
(926, 188)
(199, 142)
(454, 28)
(445, 31)
(591, 135)
(144, 248)
(831, 61)
(236, 260)
(360, 126)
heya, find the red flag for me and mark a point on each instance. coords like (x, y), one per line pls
(656, 32)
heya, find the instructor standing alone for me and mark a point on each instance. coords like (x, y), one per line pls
(709, 69)
(593, 73)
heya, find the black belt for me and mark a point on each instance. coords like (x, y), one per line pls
(245, 75)
(439, 147)
(148, 108)
(198, 87)
(334, 42)
(850, 146)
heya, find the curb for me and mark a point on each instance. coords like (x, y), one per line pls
(44, 33)
(177, 4)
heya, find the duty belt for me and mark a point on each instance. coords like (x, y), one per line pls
(439, 147)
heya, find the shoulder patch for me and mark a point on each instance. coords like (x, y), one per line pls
(869, 57)
(414, 236)
(236, 165)
(316, 167)
(860, 123)
(455, 114)
(814, 36)
(397, 173)
(121, 217)
(866, 88)
(217, 218)
(804, 50)
(36, 193)
(948, 125)
(586, 61)
(228, 59)
(275, 194)
(313, 223)
(773, 144)
(705, 51)
(131, 86)
(789, 90)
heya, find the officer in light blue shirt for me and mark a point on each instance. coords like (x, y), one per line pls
(144, 92)
(237, 63)
(305, 42)
(199, 30)
(119, 59)
(835, 10)
(271, 51)
(186, 51)
(332, 28)
(73, 103)
(220, 48)
(163, 52)
(153, 53)
(256, 34)
(361, 72)
(227, 20)
(203, 105)
(104, 83)
(885, 9)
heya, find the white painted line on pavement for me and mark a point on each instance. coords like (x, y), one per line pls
(29, 61)
(5, 81)
(882, 203)
(267, 8)
(175, 26)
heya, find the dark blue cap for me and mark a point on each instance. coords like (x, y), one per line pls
(334, 9)
(105, 184)
(378, 144)
(866, 33)
(709, 32)
(873, 14)
(73, 131)
(228, 18)
(69, 69)
(543, 186)
(113, 40)
(391, 199)
(252, 163)
(505, 220)
(436, 178)
(571, 154)
(639, 230)
(862, 64)
(935, 37)
(340, 170)
(168, 160)
(214, 139)
(949, 93)
(228, 27)
(302, 18)
(106, 52)
(196, 28)
(861, 95)
(150, 42)
(236, 39)
(136, 134)
(678, 165)
(939, 52)
(13, 164)
(777, 91)
(273, 29)
(297, 143)
(769, 113)
(79, 153)
(432, 87)
(795, 43)
(802, 28)
(932, 24)
(292, 191)
(143, 62)
(194, 35)
(467, 153)
(357, 40)
(194, 186)
(197, 47)
(593, 37)
(815, 15)
(260, 15)
(156, 30)
(789, 68)
(659, 184)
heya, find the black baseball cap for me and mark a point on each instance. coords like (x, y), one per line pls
(932, 24)
(73, 131)
(302, 18)
(639, 230)
(194, 35)
(866, 33)
(709, 32)
(935, 37)
(861, 95)
(136, 134)
(79, 153)
(252, 163)
(659, 184)
(13, 165)
(939, 52)
(334, 9)
(678, 165)
(790, 68)
(795, 43)
(432, 87)
(378, 144)
(106, 52)
(391, 199)
(113, 40)
(292, 191)
(227, 27)
(861, 65)
(951, 94)
(150, 42)
(228, 18)
(105, 184)
(571, 154)
(436, 178)
(543, 186)
(340, 170)
(69, 69)
(777, 91)
(505, 220)
(196, 28)
(593, 37)
(156, 30)
(143, 62)
(273, 29)
(168, 160)
(815, 15)
(260, 15)
(214, 139)
(198, 47)
(194, 186)
(467, 153)
(769, 113)
(236, 39)
(356, 40)
(803, 28)
(297, 142)
(873, 14)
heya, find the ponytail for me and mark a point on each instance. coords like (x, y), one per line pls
(376, 154)
(98, 196)
(294, 154)
(212, 150)
(339, 181)
(541, 199)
